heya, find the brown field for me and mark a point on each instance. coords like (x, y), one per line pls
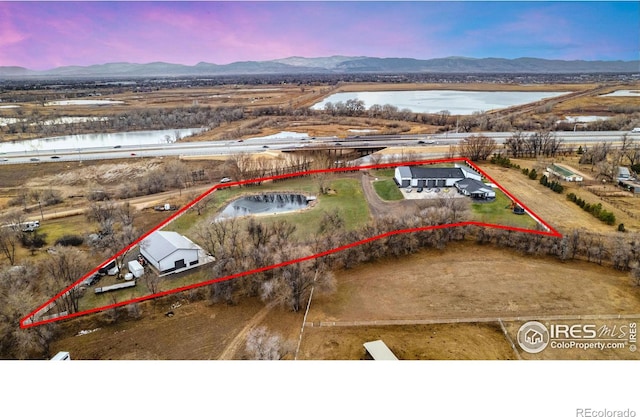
(463, 284)
(554, 208)
(283, 95)
(484, 341)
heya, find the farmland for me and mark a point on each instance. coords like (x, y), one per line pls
(428, 302)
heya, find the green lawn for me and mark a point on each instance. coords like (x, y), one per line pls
(499, 212)
(387, 189)
(385, 172)
(348, 200)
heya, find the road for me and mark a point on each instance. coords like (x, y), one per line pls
(257, 145)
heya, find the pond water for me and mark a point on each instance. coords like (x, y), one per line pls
(435, 101)
(144, 137)
(83, 102)
(265, 204)
(623, 93)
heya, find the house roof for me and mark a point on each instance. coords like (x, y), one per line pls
(473, 186)
(435, 172)
(161, 244)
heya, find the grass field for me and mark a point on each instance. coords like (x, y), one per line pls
(387, 190)
(346, 197)
(500, 212)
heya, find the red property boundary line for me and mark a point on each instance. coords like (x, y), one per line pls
(27, 321)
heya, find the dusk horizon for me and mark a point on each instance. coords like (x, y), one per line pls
(323, 57)
(46, 35)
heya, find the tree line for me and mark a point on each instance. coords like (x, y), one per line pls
(39, 125)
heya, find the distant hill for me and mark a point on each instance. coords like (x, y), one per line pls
(334, 65)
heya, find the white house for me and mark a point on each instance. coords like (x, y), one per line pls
(431, 177)
(170, 252)
(475, 189)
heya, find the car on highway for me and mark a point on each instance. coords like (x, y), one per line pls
(5, 159)
(117, 147)
(55, 157)
(635, 130)
(133, 154)
(34, 159)
(264, 146)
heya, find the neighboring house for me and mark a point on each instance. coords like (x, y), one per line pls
(170, 252)
(475, 189)
(563, 173)
(432, 177)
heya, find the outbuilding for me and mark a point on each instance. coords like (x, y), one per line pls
(428, 177)
(170, 252)
(378, 350)
(433, 177)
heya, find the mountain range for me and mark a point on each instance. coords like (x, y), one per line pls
(332, 65)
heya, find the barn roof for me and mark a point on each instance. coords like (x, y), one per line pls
(435, 172)
(161, 244)
(405, 172)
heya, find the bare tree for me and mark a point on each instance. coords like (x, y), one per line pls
(263, 345)
(10, 235)
(65, 266)
(19, 291)
(292, 283)
(152, 281)
(117, 230)
(476, 147)
(516, 144)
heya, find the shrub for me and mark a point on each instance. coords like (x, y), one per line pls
(596, 210)
(533, 174)
(70, 240)
(621, 228)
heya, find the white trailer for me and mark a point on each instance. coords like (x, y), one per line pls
(135, 268)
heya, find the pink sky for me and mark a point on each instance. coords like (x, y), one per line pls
(43, 35)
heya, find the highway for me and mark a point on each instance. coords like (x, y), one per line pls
(255, 145)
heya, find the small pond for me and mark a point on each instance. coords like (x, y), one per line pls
(269, 203)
